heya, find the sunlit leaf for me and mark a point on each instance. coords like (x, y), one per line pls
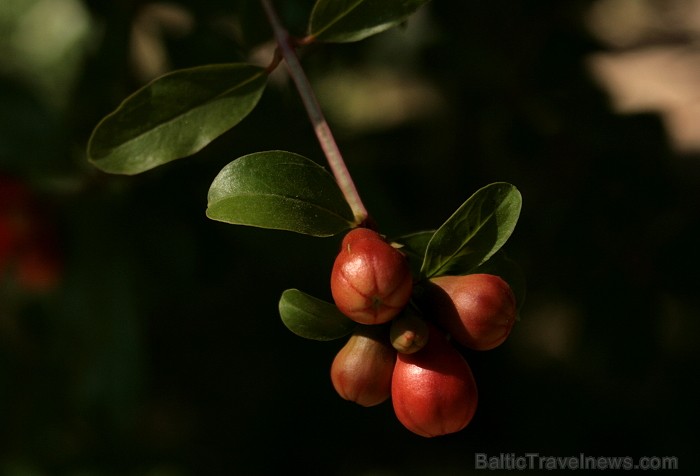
(279, 190)
(175, 116)
(474, 232)
(353, 20)
(313, 318)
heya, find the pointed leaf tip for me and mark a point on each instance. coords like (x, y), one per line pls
(477, 230)
(175, 116)
(342, 21)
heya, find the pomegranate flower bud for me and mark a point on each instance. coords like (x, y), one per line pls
(362, 369)
(433, 390)
(371, 280)
(478, 310)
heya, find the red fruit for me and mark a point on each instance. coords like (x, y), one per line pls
(371, 280)
(478, 310)
(433, 390)
(362, 369)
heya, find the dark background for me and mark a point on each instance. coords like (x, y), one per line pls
(160, 350)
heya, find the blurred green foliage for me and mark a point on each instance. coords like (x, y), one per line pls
(160, 352)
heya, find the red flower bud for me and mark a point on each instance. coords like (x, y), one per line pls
(371, 280)
(362, 369)
(478, 310)
(433, 390)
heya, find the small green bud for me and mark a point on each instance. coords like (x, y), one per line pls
(408, 332)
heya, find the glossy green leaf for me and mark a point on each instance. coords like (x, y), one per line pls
(175, 116)
(353, 20)
(474, 232)
(279, 190)
(313, 318)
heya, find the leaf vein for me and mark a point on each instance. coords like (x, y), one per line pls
(180, 114)
(349, 10)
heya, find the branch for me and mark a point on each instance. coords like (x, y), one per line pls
(313, 109)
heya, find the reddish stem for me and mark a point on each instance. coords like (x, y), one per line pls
(313, 109)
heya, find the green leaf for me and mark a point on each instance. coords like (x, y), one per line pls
(312, 318)
(279, 190)
(175, 116)
(341, 21)
(413, 246)
(414, 243)
(474, 232)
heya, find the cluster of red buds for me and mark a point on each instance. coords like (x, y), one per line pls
(404, 347)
